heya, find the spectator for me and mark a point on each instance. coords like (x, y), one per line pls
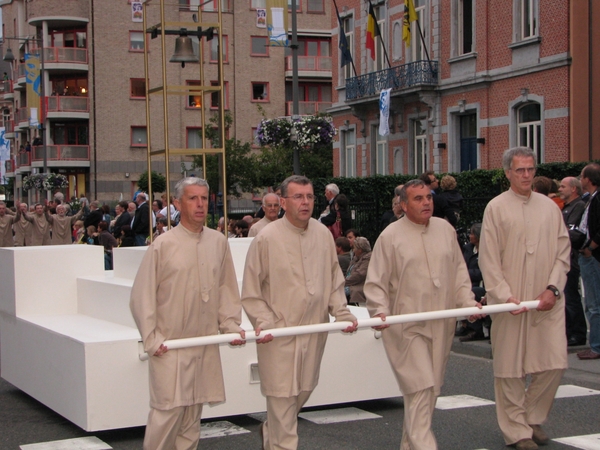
(123, 218)
(452, 196)
(108, 241)
(126, 239)
(576, 327)
(162, 227)
(241, 229)
(352, 234)
(78, 232)
(131, 209)
(440, 205)
(271, 207)
(331, 192)
(221, 225)
(94, 216)
(343, 248)
(396, 209)
(140, 225)
(91, 235)
(157, 206)
(106, 213)
(62, 225)
(357, 272)
(393, 214)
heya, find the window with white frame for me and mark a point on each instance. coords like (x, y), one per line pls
(530, 128)
(215, 96)
(315, 6)
(137, 88)
(380, 62)
(420, 162)
(381, 153)
(464, 27)
(136, 41)
(260, 92)
(194, 100)
(528, 18)
(214, 50)
(417, 51)
(193, 137)
(255, 4)
(139, 136)
(348, 25)
(213, 5)
(349, 150)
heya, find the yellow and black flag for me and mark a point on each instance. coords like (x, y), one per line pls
(410, 15)
(372, 31)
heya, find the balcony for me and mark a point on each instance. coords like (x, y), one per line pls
(308, 108)
(9, 129)
(61, 156)
(7, 89)
(23, 117)
(406, 76)
(310, 66)
(70, 58)
(10, 167)
(23, 160)
(59, 107)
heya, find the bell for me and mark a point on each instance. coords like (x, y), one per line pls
(184, 51)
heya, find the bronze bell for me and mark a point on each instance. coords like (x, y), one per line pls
(184, 51)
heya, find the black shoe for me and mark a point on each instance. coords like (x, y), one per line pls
(573, 341)
(472, 336)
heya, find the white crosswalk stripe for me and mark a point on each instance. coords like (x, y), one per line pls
(86, 443)
(589, 442)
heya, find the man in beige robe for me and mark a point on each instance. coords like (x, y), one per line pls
(22, 227)
(62, 225)
(292, 277)
(40, 227)
(417, 266)
(524, 254)
(185, 287)
(6, 222)
(270, 205)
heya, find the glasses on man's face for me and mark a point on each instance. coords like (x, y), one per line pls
(272, 205)
(523, 170)
(300, 197)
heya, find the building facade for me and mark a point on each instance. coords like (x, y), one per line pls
(93, 110)
(478, 77)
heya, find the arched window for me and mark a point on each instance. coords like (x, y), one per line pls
(529, 127)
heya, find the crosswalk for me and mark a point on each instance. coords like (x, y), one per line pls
(323, 417)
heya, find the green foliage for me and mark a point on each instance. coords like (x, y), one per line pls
(159, 182)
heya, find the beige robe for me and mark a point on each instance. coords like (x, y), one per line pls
(416, 268)
(258, 226)
(186, 287)
(40, 229)
(292, 277)
(525, 247)
(6, 232)
(23, 230)
(62, 228)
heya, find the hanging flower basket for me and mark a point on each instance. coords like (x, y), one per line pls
(45, 182)
(310, 131)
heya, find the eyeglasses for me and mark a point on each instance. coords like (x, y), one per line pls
(300, 197)
(521, 170)
(272, 205)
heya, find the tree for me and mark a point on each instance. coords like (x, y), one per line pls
(159, 182)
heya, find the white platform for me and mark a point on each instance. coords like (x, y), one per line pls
(68, 339)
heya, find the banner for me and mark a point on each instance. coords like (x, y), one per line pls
(277, 22)
(384, 112)
(34, 87)
(261, 18)
(137, 13)
(4, 154)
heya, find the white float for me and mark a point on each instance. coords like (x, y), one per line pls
(68, 339)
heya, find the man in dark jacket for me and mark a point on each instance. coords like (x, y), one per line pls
(141, 220)
(589, 258)
(440, 205)
(570, 192)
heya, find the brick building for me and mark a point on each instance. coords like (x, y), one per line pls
(94, 79)
(500, 73)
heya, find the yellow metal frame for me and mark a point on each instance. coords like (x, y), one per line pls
(179, 90)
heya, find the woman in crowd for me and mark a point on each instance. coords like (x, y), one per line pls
(357, 272)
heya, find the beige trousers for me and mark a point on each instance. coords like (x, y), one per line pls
(517, 408)
(280, 431)
(177, 428)
(418, 412)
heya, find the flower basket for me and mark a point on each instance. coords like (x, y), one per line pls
(310, 131)
(45, 182)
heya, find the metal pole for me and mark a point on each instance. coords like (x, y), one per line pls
(295, 88)
(334, 326)
(43, 107)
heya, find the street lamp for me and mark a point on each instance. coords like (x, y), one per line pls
(10, 57)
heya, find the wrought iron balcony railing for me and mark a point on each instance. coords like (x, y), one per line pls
(398, 77)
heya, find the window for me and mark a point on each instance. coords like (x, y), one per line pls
(420, 162)
(530, 128)
(380, 62)
(381, 153)
(70, 134)
(139, 137)
(348, 25)
(315, 6)
(255, 4)
(189, 5)
(417, 51)
(136, 41)
(259, 46)
(138, 88)
(213, 5)
(69, 38)
(260, 92)
(193, 137)
(214, 97)
(528, 18)
(298, 5)
(214, 51)
(465, 26)
(348, 168)
(194, 100)
(397, 42)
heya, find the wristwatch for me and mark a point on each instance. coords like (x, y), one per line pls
(554, 290)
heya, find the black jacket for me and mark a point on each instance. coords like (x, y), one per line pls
(141, 221)
(594, 224)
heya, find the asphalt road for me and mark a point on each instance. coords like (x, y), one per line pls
(23, 420)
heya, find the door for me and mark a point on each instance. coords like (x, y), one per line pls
(468, 142)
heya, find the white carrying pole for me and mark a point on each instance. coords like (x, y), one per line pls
(333, 326)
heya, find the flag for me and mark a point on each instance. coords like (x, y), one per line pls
(346, 55)
(372, 31)
(384, 112)
(410, 15)
(277, 22)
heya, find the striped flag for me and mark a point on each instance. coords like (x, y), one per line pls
(410, 15)
(372, 30)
